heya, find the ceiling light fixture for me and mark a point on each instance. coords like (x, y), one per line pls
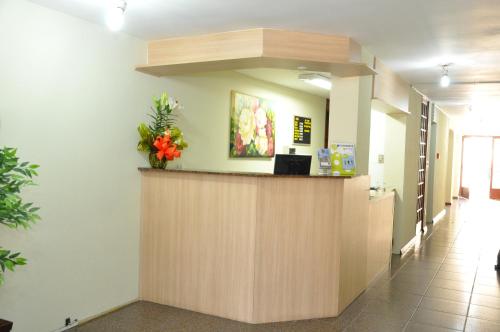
(116, 15)
(445, 79)
(316, 79)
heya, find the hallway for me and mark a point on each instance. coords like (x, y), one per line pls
(447, 284)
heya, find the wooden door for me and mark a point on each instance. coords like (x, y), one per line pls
(495, 170)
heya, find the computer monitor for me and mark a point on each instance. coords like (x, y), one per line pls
(287, 164)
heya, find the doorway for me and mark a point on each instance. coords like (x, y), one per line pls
(480, 178)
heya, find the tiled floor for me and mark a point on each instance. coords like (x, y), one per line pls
(446, 284)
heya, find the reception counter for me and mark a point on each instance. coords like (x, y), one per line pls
(257, 247)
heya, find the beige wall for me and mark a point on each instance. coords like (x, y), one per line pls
(71, 101)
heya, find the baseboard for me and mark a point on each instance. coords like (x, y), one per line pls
(379, 275)
(439, 216)
(88, 319)
(408, 247)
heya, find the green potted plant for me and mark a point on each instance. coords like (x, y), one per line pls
(14, 212)
(161, 139)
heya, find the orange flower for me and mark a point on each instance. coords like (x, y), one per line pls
(166, 148)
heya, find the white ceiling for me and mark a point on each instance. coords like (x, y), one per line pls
(411, 37)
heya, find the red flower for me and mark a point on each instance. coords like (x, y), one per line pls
(166, 148)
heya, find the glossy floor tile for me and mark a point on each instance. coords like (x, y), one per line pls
(446, 283)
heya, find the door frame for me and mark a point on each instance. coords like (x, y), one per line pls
(461, 192)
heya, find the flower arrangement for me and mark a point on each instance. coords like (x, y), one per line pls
(252, 127)
(161, 139)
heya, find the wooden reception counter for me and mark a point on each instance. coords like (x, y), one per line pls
(257, 247)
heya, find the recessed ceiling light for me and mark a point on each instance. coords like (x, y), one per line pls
(316, 79)
(116, 15)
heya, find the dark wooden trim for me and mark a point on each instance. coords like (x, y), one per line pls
(422, 175)
(462, 192)
(494, 193)
(327, 123)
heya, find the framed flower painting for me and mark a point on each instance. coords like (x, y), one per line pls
(252, 127)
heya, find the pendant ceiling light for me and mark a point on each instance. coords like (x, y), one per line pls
(445, 79)
(116, 15)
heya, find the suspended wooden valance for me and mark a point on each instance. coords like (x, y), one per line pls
(256, 48)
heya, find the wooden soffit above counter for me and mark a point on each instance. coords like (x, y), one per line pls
(255, 48)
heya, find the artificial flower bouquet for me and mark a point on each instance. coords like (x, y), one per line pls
(161, 139)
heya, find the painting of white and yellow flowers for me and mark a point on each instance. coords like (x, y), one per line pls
(252, 127)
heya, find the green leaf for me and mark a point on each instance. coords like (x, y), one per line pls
(9, 265)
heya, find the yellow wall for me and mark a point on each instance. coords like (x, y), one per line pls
(205, 119)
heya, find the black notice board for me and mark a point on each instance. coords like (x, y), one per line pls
(301, 130)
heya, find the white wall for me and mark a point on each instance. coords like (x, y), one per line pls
(71, 101)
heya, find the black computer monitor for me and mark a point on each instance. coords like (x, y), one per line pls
(290, 164)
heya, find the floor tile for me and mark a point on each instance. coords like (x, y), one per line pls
(439, 319)
(487, 290)
(450, 307)
(479, 325)
(367, 322)
(485, 300)
(485, 313)
(392, 310)
(463, 286)
(458, 268)
(448, 294)
(455, 276)
(417, 327)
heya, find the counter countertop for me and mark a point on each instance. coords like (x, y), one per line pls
(148, 169)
